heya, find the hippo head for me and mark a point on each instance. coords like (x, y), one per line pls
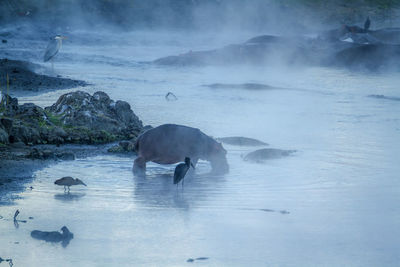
(217, 157)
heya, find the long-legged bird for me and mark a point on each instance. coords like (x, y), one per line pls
(52, 48)
(181, 170)
(68, 181)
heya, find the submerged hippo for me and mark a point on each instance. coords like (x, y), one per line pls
(261, 155)
(171, 143)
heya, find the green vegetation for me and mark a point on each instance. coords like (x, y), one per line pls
(54, 119)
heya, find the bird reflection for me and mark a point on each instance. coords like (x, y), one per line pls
(156, 188)
(69, 196)
(16, 221)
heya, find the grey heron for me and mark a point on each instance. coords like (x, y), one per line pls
(52, 48)
(68, 181)
(181, 170)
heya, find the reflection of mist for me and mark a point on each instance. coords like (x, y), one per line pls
(156, 189)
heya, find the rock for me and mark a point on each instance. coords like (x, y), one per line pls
(241, 141)
(8, 105)
(123, 146)
(246, 86)
(25, 134)
(3, 136)
(116, 149)
(99, 114)
(76, 117)
(6, 123)
(267, 153)
(66, 156)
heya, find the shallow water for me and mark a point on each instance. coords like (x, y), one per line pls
(335, 201)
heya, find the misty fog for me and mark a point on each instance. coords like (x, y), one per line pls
(302, 76)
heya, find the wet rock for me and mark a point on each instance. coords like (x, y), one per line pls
(246, 86)
(6, 124)
(241, 141)
(97, 117)
(3, 136)
(77, 117)
(8, 105)
(54, 237)
(266, 154)
(385, 97)
(66, 156)
(123, 147)
(24, 133)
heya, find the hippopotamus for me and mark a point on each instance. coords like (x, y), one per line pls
(171, 143)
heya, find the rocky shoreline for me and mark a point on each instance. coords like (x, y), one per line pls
(77, 125)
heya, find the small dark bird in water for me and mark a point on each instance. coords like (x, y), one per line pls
(367, 24)
(54, 236)
(170, 96)
(68, 181)
(181, 170)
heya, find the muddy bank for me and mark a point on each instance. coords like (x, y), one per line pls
(22, 77)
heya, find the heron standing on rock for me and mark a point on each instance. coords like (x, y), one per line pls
(68, 181)
(181, 170)
(52, 49)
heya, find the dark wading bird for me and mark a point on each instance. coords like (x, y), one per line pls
(54, 236)
(181, 170)
(52, 49)
(68, 181)
(367, 24)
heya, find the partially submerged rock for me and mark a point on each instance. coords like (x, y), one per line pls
(54, 237)
(241, 141)
(393, 98)
(266, 154)
(246, 86)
